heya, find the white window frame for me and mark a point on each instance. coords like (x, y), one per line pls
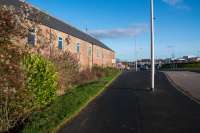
(78, 48)
(89, 51)
(32, 32)
(60, 40)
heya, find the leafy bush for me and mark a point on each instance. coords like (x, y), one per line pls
(67, 67)
(85, 76)
(95, 73)
(101, 72)
(65, 107)
(41, 78)
(110, 71)
(15, 102)
(98, 71)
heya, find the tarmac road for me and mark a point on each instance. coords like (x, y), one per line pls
(188, 82)
(127, 106)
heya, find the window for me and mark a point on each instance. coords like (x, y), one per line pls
(89, 51)
(78, 48)
(60, 42)
(31, 37)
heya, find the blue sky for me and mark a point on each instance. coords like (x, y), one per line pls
(118, 23)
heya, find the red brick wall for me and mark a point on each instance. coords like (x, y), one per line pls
(99, 55)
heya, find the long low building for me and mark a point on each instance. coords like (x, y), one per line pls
(89, 50)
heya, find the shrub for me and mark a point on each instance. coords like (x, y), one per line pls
(110, 71)
(64, 107)
(15, 102)
(41, 78)
(102, 72)
(95, 73)
(98, 71)
(85, 76)
(67, 67)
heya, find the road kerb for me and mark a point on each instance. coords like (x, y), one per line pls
(85, 105)
(186, 93)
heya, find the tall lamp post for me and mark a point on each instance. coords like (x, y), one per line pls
(152, 48)
(135, 55)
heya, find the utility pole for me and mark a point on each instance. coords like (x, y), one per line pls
(135, 55)
(152, 48)
(86, 29)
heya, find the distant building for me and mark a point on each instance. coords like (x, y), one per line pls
(144, 62)
(120, 65)
(194, 59)
(191, 58)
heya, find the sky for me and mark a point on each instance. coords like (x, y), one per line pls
(122, 24)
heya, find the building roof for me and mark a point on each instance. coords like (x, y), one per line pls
(59, 25)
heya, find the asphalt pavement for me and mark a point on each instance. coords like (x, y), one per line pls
(188, 82)
(127, 106)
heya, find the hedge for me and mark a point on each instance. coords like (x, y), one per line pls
(41, 78)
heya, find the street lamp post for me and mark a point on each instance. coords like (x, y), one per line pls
(152, 48)
(135, 55)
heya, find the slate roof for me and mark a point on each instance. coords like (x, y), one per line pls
(56, 24)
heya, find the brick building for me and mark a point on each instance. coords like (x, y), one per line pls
(89, 50)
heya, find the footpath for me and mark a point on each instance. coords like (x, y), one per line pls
(127, 106)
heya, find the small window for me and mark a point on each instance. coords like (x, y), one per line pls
(60, 42)
(89, 51)
(31, 37)
(78, 48)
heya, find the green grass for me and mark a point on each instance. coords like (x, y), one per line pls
(184, 66)
(66, 107)
(191, 65)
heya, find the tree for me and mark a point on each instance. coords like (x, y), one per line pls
(15, 98)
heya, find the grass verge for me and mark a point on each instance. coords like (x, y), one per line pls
(66, 107)
(194, 65)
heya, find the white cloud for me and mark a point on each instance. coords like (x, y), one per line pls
(119, 32)
(170, 46)
(180, 4)
(173, 2)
